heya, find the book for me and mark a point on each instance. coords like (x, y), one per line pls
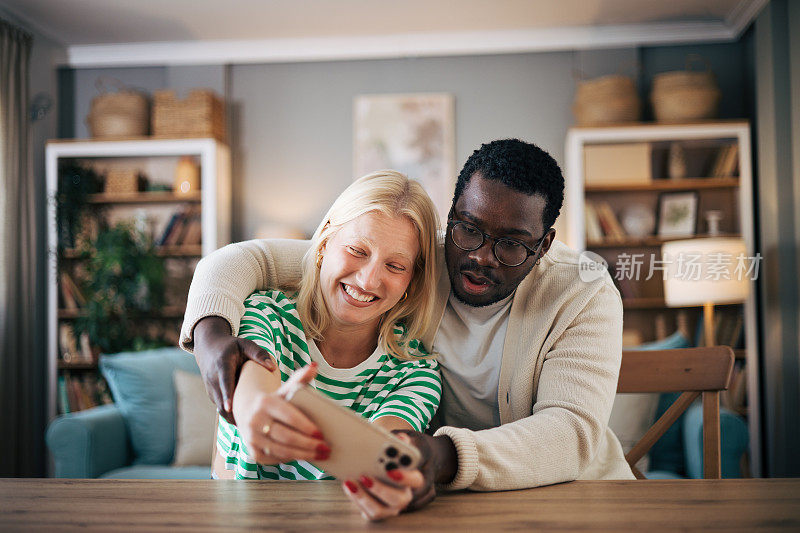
(176, 232)
(730, 164)
(68, 346)
(77, 294)
(194, 231)
(63, 398)
(168, 228)
(103, 392)
(72, 395)
(593, 230)
(726, 161)
(67, 297)
(86, 353)
(716, 166)
(609, 222)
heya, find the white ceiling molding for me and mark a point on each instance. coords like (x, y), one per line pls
(744, 13)
(411, 45)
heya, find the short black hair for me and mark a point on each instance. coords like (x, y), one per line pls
(521, 166)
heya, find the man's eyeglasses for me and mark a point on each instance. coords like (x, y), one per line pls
(509, 252)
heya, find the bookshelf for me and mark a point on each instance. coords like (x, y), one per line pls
(184, 227)
(709, 162)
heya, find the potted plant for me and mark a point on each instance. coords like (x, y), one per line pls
(125, 283)
(75, 184)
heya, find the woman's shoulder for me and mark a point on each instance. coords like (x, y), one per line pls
(273, 303)
(271, 297)
(418, 355)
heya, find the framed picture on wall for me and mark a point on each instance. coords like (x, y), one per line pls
(677, 214)
(411, 133)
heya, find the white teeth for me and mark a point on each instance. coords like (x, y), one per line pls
(356, 296)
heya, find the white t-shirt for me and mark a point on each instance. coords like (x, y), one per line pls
(470, 347)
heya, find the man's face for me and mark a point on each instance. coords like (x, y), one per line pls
(477, 277)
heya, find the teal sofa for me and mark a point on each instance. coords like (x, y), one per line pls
(133, 438)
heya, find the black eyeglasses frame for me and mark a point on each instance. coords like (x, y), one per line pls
(451, 223)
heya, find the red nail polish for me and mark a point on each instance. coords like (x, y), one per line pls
(367, 482)
(322, 456)
(352, 487)
(322, 448)
(313, 364)
(317, 435)
(395, 474)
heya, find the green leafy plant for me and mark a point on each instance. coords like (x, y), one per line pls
(125, 283)
(75, 184)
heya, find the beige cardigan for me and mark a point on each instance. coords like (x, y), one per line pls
(558, 375)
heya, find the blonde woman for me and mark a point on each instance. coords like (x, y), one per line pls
(364, 299)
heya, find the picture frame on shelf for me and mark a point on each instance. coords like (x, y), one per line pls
(677, 214)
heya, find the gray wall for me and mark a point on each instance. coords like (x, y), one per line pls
(295, 147)
(292, 129)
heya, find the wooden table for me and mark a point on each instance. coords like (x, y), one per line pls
(175, 505)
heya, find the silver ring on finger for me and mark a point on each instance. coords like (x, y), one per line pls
(265, 429)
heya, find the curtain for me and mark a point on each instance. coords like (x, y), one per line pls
(22, 377)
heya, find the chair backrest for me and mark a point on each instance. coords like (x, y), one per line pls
(692, 371)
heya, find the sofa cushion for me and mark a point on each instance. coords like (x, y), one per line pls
(159, 472)
(143, 389)
(631, 416)
(195, 423)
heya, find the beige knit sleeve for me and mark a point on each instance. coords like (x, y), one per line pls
(223, 279)
(569, 418)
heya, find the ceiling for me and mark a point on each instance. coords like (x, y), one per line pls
(184, 31)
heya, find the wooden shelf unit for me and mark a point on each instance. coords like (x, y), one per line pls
(646, 242)
(184, 250)
(639, 311)
(213, 201)
(668, 185)
(146, 197)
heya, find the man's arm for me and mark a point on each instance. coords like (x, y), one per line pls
(215, 305)
(569, 420)
(223, 279)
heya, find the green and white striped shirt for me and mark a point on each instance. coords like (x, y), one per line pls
(380, 386)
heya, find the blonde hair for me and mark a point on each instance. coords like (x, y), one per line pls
(392, 194)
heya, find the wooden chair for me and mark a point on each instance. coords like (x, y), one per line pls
(693, 371)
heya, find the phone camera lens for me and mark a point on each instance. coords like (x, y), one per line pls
(405, 460)
(390, 466)
(391, 451)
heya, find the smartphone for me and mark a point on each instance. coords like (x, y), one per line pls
(357, 446)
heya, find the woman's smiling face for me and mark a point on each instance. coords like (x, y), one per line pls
(366, 268)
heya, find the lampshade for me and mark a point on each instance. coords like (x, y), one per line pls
(701, 271)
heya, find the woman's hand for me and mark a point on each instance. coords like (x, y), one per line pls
(275, 431)
(378, 500)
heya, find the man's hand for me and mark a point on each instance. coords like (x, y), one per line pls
(439, 465)
(220, 356)
(413, 489)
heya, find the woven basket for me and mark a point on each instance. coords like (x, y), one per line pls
(123, 180)
(685, 95)
(201, 114)
(606, 100)
(124, 113)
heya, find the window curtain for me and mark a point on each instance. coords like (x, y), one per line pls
(22, 376)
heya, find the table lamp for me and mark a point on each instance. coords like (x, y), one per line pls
(704, 272)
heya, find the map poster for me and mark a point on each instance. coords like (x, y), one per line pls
(410, 133)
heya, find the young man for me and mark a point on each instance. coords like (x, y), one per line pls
(529, 352)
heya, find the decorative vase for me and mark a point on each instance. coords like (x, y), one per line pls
(187, 176)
